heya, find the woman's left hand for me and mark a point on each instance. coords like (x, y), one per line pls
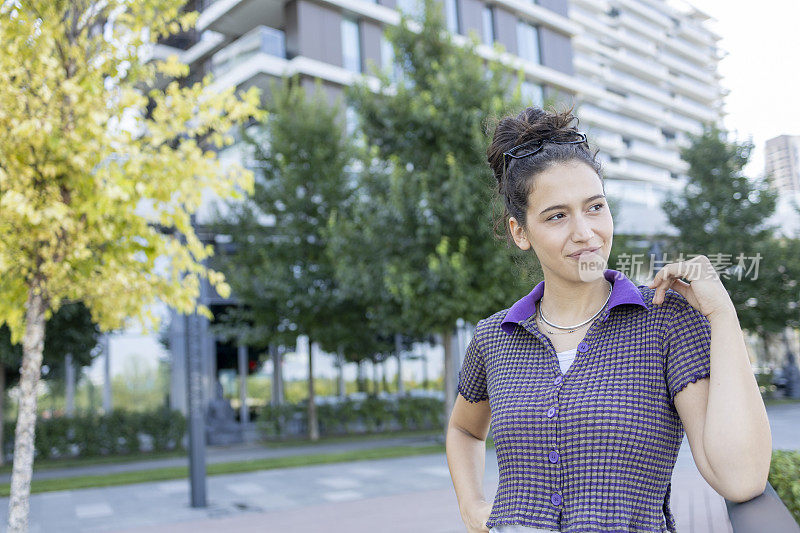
(705, 292)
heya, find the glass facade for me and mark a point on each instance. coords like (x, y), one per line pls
(351, 45)
(532, 93)
(528, 42)
(488, 25)
(451, 9)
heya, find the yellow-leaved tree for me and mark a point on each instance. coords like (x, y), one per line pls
(100, 172)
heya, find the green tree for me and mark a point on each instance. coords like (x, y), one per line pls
(280, 270)
(69, 331)
(722, 211)
(433, 220)
(94, 160)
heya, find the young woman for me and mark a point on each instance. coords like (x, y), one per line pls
(589, 381)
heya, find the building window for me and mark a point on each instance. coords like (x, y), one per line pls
(412, 8)
(488, 25)
(528, 41)
(451, 6)
(388, 63)
(532, 93)
(351, 45)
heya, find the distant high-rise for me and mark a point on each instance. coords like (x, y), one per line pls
(782, 162)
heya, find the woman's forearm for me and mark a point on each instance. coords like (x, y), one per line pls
(466, 459)
(736, 439)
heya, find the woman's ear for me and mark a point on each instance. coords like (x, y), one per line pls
(518, 233)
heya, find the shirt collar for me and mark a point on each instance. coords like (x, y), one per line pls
(623, 291)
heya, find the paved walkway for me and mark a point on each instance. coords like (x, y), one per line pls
(387, 496)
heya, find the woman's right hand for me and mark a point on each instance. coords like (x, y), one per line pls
(475, 517)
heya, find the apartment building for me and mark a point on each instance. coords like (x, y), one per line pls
(642, 73)
(782, 162)
(654, 64)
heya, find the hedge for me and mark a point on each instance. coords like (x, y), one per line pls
(351, 416)
(784, 476)
(116, 433)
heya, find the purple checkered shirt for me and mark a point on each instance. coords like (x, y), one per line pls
(592, 449)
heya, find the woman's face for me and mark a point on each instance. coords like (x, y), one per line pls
(567, 211)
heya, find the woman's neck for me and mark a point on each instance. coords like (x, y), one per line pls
(566, 302)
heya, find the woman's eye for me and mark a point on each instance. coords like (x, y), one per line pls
(554, 216)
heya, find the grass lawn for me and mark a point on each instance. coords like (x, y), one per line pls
(163, 474)
(782, 401)
(50, 464)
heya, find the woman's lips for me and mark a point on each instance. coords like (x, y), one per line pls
(587, 252)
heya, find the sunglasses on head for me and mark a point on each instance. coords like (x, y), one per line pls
(531, 147)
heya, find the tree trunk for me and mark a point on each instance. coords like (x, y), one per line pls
(342, 392)
(384, 383)
(375, 380)
(277, 376)
(313, 427)
(425, 380)
(69, 375)
(449, 374)
(107, 396)
(398, 347)
(242, 363)
(32, 346)
(2, 410)
(360, 379)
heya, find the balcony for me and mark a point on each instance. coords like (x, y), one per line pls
(641, 26)
(632, 170)
(611, 121)
(237, 17)
(653, 16)
(694, 89)
(637, 65)
(645, 108)
(703, 113)
(598, 6)
(197, 51)
(676, 63)
(696, 35)
(633, 41)
(540, 15)
(698, 54)
(261, 40)
(662, 157)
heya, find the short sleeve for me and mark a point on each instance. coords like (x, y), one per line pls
(472, 375)
(687, 345)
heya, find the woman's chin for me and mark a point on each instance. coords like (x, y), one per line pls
(591, 266)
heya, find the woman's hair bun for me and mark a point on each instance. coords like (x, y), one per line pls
(533, 124)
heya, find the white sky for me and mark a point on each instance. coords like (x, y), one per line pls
(761, 69)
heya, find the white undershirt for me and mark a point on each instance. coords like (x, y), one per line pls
(565, 360)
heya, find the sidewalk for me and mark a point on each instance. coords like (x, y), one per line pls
(387, 495)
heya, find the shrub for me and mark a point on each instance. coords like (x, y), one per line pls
(350, 416)
(784, 476)
(88, 435)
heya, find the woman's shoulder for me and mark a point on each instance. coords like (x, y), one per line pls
(486, 327)
(673, 300)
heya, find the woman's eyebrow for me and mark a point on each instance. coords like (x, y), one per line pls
(562, 206)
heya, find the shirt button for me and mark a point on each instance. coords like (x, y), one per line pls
(553, 457)
(551, 411)
(558, 380)
(556, 499)
(583, 347)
